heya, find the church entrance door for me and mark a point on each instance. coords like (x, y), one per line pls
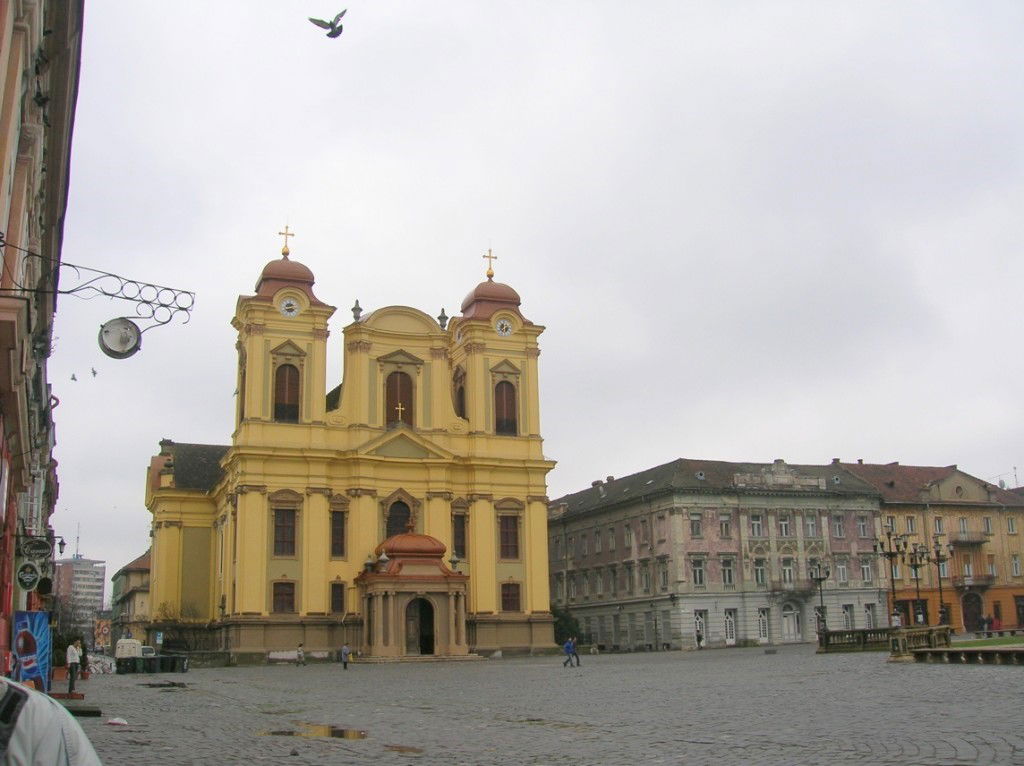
(419, 627)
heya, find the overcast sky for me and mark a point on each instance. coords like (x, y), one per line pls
(752, 230)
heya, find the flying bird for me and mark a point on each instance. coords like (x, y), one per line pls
(93, 371)
(73, 376)
(334, 27)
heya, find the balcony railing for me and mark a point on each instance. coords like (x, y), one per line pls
(968, 538)
(977, 581)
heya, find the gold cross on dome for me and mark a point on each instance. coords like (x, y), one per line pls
(400, 409)
(490, 263)
(285, 234)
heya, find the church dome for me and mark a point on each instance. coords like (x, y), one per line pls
(285, 272)
(487, 298)
(411, 544)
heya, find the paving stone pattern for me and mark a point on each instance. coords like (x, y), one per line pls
(735, 706)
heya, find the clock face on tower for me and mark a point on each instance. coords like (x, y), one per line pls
(290, 307)
(503, 327)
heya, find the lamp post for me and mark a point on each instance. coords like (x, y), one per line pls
(917, 558)
(892, 548)
(940, 555)
(819, 574)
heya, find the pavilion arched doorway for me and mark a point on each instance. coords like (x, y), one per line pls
(419, 627)
(792, 630)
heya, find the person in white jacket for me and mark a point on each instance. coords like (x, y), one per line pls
(35, 729)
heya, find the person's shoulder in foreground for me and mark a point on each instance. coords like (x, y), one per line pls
(36, 729)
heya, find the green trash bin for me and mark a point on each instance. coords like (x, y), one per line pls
(167, 662)
(150, 664)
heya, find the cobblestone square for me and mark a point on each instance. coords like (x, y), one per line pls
(717, 706)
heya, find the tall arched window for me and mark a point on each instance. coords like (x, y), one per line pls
(286, 394)
(505, 408)
(399, 516)
(398, 399)
(459, 392)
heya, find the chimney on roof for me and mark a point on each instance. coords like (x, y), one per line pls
(860, 461)
(595, 483)
(779, 461)
(835, 461)
(609, 479)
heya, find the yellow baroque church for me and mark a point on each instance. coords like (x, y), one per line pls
(404, 512)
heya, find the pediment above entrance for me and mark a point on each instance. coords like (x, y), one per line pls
(287, 349)
(403, 443)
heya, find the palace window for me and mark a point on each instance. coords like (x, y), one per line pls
(866, 573)
(724, 527)
(862, 526)
(695, 525)
(968, 568)
(992, 565)
(940, 525)
(645, 577)
(627, 535)
(987, 524)
(783, 526)
(398, 399)
(697, 568)
(509, 534)
(963, 523)
(756, 525)
(284, 532)
(890, 523)
(812, 525)
(284, 597)
(611, 538)
(338, 522)
(842, 576)
(459, 537)
(630, 579)
(597, 541)
(838, 529)
(911, 525)
(505, 409)
(584, 545)
(399, 517)
(1011, 525)
(663, 575)
(787, 570)
(338, 598)
(760, 576)
(727, 572)
(510, 597)
(286, 394)
(572, 586)
(1015, 564)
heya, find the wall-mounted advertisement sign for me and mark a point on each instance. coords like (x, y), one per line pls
(32, 648)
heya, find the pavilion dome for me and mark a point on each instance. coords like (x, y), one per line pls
(409, 544)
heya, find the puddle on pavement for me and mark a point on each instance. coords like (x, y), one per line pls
(403, 749)
(312, 730)
(166, 685)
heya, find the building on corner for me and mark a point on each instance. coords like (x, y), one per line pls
(726, 550)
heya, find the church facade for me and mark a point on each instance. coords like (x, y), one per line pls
(403, 512)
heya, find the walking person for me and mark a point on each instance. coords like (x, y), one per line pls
(74, 660)
(575, 654)
(300, 655)
(345, 652)
(567, 647)
(700, 639)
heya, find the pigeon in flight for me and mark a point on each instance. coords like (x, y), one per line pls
(334, 27)
(73, 377)
(93, 371)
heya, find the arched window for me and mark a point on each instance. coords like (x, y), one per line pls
(505, 408)
(399, 516)
(459, 392)
(398, 399)
(286, 394)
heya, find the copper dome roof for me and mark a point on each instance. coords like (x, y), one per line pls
(487, 298)
(285, 272)
(411, 544)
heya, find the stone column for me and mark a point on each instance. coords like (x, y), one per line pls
(378, 623)
(452, 636)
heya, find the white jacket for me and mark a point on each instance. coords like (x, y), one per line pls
(44, 733)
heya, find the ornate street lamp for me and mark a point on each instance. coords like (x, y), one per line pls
(819, 574)
(940, 555)
(893, 548)
(917, 558)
